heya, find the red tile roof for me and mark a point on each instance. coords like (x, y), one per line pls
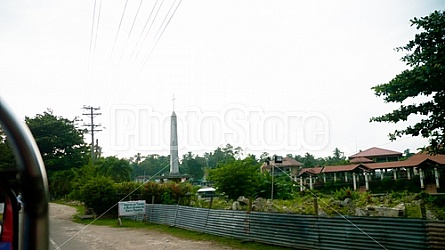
(422, 156)
(375, 152)
(413, 161)
(311, 171)
(361, 160)
(332, 169)
(340, 168)
(287, 162)
(391, 164)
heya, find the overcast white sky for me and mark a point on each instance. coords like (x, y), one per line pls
(277, 76)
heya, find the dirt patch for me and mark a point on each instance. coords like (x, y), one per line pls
(103, 237)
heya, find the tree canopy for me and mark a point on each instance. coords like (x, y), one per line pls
(425, 57)
(119, 170)
(60, 143)
(221, 155)
(239, 178)
(193, 165)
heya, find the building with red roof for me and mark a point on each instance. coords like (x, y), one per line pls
(288, 165)
(377, 155)
(429, 168)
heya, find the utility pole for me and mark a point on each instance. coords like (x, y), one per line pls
(92, 127)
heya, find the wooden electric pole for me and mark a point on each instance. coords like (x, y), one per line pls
(92, 127)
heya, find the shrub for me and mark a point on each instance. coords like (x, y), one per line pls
(344, 193)
(132, 189)
(99, 194)
(150, 190)
(167, 193)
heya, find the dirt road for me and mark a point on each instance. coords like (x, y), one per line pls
(103, 237)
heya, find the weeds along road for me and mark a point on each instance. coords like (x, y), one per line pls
(102, 237)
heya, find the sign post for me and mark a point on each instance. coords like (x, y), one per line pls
(130, 208)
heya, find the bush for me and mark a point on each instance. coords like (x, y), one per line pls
(167, 193)
(152, 190)
(100, 195)
(132, 189)
(345, 193)
(329, 186)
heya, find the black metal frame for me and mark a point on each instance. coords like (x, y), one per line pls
(33, 182)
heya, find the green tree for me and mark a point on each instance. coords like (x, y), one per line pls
(81, 177)
(220, 156)
(425, 57)
(7, 159)
(309, 161)
(152, 164)
(193, 165)
(338, 158)
(238, 178)
(61, 183)
(60, 143)
(253, 157)
(135, 162)
(117, 169)
(283, 187)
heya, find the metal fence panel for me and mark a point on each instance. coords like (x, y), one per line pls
(191, 218)
(436, 234)
(371, 233)
(284, 229)
(305, 231)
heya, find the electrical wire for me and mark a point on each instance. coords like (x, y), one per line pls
(159, 37)
(126, 42)
(91, 45)
(143, 30)
(97, 28)
(129, 33)
(119, 28)
(156, 39)
(132, 63)
(149, 29)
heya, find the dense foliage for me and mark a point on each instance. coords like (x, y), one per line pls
(239, 178)
(425, 57)
(60, 142)
(99, 194)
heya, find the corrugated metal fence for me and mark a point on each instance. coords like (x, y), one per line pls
(303, 231)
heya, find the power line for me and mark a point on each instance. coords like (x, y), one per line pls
(149, 29)
(145, 38)
(91, 46)
(92, 29)
(92, 127)
(128, 37)
(159, 37)
(97, 27)
(145, 26)
(115, 72)
(134, 20)
(119, 28)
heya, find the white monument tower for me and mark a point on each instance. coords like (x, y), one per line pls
(174, 158)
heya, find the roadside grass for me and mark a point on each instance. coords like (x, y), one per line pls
(173, 231)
